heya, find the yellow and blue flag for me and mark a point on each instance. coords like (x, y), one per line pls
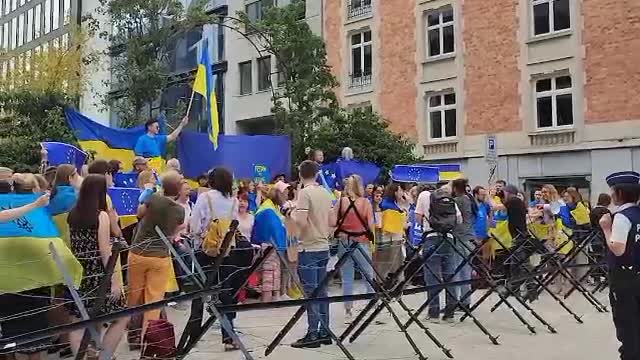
(25, 259)
(108, 143)
(204, 85)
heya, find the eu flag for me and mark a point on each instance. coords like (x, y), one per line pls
(204, 86)
(415, 173)
(125, 200)
(335, 172)
(62, 153)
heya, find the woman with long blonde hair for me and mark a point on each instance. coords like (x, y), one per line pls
(353, 219)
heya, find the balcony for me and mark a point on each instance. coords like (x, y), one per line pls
(357, 9)
(357, 81)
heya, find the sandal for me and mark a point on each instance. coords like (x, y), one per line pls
(231, 347)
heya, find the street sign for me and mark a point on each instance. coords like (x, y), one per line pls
(491, 154)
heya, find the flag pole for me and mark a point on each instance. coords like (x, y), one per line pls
(193, 93)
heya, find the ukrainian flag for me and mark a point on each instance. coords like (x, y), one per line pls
(393, 217)
(108, 143)
(204, 86)
(26, 262)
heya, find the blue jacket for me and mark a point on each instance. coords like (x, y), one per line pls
(63, 201)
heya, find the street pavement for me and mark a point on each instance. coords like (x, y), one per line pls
(594, 339)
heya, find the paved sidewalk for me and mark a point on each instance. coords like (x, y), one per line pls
(595, 339)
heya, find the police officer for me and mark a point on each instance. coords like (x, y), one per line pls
(622, 234)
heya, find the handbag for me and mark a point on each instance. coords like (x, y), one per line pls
(159, 340)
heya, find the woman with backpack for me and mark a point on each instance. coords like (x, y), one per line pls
(353, 218)
(212, 214)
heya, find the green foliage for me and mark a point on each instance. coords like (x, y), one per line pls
(28, 118)
(305, 105)
(145, 33)
(367, 134)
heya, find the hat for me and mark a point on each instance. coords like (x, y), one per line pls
(511, 189)
(281, 186)
(623, 177)
(139, 160)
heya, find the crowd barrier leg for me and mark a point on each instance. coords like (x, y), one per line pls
(509, 288)
(523, 264)
(302, 309)
(391, 282)
(224, 322)
(561, 270)
(101, 298)
(386, 298)
(68, 281)
(483, 270)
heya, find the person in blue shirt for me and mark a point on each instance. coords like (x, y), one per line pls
(483, 217)
(537, 199)
(152, 144)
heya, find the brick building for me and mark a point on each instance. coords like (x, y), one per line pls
(554, 80)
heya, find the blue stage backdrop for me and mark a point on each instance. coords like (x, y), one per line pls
(238, 153)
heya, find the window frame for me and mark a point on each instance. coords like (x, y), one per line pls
(240, 65)
(361, 46)
(554, 92)
(259, 62)
(550, 20)
(442, 108)
(440, 27)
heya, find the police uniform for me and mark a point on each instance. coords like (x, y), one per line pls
(624, 271)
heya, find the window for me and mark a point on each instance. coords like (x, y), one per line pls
(47, 16)
(13, 30)
(554, 105)
(56, 15)
(66, 10)
(20, 31)
(5, 36)
(440, 39)
(245, 78)
(29, 25)
(255, 10)
(36, 21)
(550, 16)
(264, 73)
(357, 8)
(361, 59)
(441, 109)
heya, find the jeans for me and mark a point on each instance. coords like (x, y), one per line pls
(347, 271)
(464, 273)
(312, 268)
(440, 268)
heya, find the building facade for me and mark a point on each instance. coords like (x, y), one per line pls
(31, 26)
(253, 74)
(553, 80)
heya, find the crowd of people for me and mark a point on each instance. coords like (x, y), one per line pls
(307, 226)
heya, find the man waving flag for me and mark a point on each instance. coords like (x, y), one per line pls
(204, 85)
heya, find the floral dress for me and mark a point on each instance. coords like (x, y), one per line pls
(84, 245)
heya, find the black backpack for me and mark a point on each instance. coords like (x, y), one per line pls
(442, 212)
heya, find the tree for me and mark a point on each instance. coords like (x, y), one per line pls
(368, 135)
(305, 106)
(27, 118)
(56, 67)
(145, 33)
